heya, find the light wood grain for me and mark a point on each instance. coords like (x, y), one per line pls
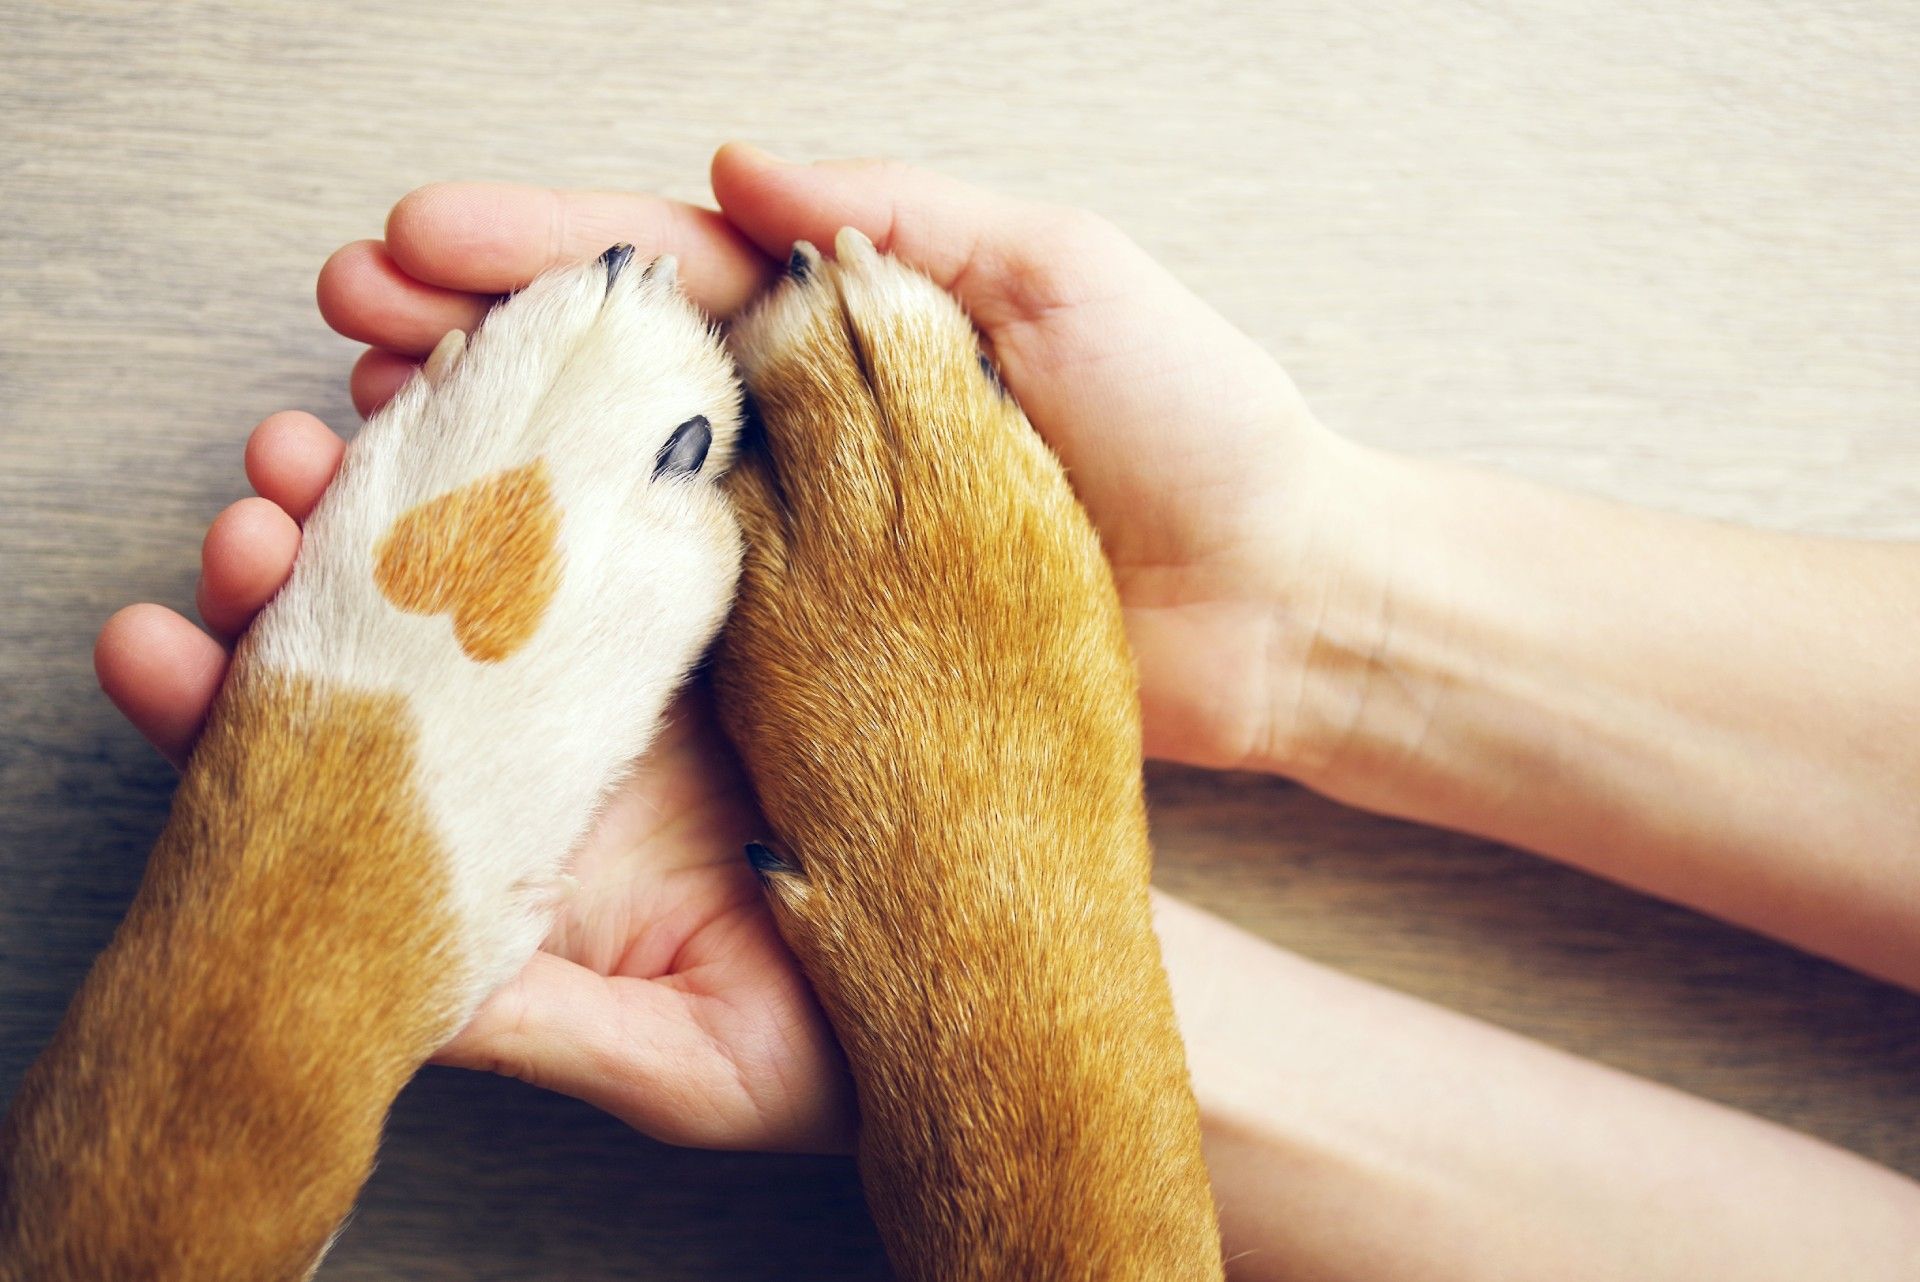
(1665, 254)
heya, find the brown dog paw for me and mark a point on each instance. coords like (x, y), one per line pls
(928, 679)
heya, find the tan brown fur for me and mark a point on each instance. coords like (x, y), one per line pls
(488, 554)
(282, 972)
(927, 676)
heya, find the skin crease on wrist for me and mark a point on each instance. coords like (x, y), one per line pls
(1340, 1154)
(1719, 716)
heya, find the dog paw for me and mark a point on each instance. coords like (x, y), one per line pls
(922, 591)
(522, 556)
(928, 679)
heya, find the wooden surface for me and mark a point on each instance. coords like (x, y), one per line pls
(1662, 252)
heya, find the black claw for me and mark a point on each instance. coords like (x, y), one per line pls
(685, 450)
(802, 261)
(764, 860)
(615, 260)
(993, 375)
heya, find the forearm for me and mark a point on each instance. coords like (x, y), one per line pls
(1355, 1133)
(1719, 716)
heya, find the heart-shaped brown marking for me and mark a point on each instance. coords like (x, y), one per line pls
(487, 553)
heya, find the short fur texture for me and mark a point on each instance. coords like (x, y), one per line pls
(521, 558)
(927, 676)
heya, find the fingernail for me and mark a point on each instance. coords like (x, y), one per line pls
(759, 155)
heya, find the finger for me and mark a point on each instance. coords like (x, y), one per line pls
(1003, 257)
(537, 1026)
(162, 673)
(246, 556)
(366, 297)
(629, 1049)
(376, 376)
(291, 458)
(489, 238)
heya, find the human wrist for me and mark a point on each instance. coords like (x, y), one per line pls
(1338, 709)
(1450, 655)
(1417, 668)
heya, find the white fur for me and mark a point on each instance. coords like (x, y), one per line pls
(515, 755)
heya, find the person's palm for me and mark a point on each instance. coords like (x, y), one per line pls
(678, 1006)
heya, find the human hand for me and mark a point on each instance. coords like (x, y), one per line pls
(664, 994)
(1214, 489)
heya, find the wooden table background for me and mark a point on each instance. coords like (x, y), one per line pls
(1666, 253)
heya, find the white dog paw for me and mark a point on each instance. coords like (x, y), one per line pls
(523, 553)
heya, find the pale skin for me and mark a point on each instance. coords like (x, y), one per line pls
(1625, 691)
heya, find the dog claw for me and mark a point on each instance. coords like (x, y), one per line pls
(446, 354)
(803, 259)
(615, 260)
(765, 861)
(686, 449)
(664, 269)
(852, 245)
(992, 375)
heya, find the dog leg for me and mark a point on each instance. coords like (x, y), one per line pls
(519, 561)
(927, 676)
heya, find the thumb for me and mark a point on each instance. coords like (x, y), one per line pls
(1003, 257)
(623, 1045)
